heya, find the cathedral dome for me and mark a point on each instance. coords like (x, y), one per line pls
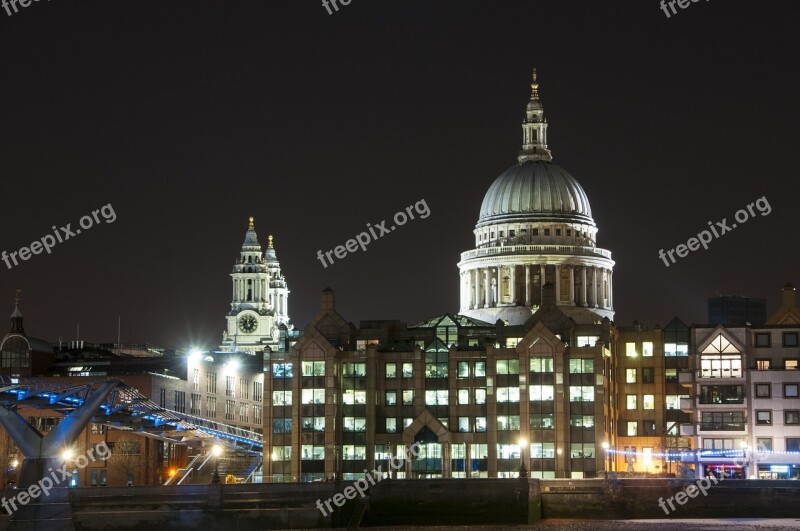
(535, 190)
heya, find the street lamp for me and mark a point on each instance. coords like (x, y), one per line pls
(217, 451)
(523, 471)
(606, 447)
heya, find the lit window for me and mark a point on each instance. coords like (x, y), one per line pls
(313, 368)
(436, 397)
(541, 392)
(391, 370)
(313, 396)
(507, 422)
(507, 367)
(408, 370)
(647, 349)
(480, 396)
(587, 341)
(632, 425)
(408, 397)
(541, 364)
(581, 366)
(463, 397)
(480, 369)
(463, 369)
(764, 418)
(463, 424)
(313, 453)
(631, 401)
(391, 398)
(584, 393)
(630, 350)
(508, 394)
(648, 401)
(630, 375)
(391, 425)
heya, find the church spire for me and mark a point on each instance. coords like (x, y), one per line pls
(16, 316)
(534, 128)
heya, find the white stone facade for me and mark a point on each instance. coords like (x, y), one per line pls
(536, 227)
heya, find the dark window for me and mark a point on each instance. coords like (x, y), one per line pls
(547, 232)
(792, 444)
(535, 232)
(790, 339)
(558, 232)
(763, 390)
(790, 390)
(763, 340)
(791, 417)
(649, 427)
(648, 375)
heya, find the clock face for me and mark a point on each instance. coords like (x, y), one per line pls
(247, 324)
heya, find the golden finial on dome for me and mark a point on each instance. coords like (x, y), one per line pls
(534, 86)
(252, 219)
(270, 241)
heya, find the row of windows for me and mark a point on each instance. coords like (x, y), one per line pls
(789, 364)
(790, 417)
(632, 428)
(353, 452)
(648, 402)
(512, 233)
(434, 369)
(764, 339)
(790, 390)
(648, 375)
(465, 424)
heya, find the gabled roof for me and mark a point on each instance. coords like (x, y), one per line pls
(449, 319)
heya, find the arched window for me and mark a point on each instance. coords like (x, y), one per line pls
(15, 354)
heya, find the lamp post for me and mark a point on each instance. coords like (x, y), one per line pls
(606, 453)
(217, 451)
(523, 471)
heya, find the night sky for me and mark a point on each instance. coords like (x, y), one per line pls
(189, 116)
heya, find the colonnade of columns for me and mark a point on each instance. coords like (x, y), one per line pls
(493, 286)
(258, 286)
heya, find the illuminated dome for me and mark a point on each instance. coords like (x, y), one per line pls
(536, 241)
(535, 190)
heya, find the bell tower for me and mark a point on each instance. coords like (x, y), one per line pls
(259, 299)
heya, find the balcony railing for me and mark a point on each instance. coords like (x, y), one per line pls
(722, 426)
(573, 250)
(707, 400)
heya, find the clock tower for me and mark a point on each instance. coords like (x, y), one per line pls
(259, 305)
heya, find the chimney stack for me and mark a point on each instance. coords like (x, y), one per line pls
(328, 300)
(789, 296)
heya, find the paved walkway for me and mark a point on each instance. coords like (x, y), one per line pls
(717, 524)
